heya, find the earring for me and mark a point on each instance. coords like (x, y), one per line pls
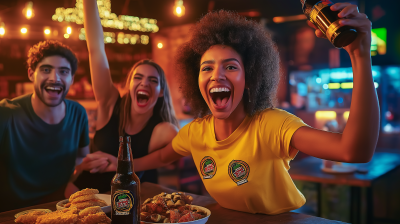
(248, 93)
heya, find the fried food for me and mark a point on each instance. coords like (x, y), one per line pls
(30, 217)
(84, 207)
(82, 198)
(91, 203)
(90, 215)
(95, 219)
(59, 217)
(85, 191)
(85, 198)
(90, 210)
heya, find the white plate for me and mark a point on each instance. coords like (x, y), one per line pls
(343, 168)
(199, 221)
(105, 197)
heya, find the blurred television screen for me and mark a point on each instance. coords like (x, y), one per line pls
(378, 41)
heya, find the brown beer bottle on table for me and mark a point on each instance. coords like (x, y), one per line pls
(125, 187)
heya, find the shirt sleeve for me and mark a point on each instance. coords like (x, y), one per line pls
(290, 125)
(277, 129)
(84, 137)
(181, 142)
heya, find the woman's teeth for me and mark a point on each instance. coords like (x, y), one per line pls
(142, 97)
(143, 93)
(220, 95)
(222, 89)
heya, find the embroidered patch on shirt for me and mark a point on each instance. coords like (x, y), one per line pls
(239, 171)
(208, 167)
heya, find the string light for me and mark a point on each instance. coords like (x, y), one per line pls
(160, 45)
(144, 39)
(122, 38)
(28, 10)
(179, 8)
(108, 19)
(47, 31)
(69, 30)
(24, 30)
(66, 36)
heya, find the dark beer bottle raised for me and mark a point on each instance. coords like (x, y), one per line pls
(125, 187)
(326, 20)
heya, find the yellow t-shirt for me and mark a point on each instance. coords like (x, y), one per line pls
(248, 171)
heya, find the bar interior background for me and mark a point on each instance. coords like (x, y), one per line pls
(316, 78)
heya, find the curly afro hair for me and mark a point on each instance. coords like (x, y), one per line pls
(250, 40)
(50, 48)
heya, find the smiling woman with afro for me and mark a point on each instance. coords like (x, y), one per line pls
(250, 40)
(240, 143)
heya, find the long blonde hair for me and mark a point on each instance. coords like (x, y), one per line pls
(163, 107)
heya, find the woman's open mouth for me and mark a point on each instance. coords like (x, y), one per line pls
(142, 98)
(53, 91)
(220, 97)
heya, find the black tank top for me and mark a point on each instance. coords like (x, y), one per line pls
(107, 140)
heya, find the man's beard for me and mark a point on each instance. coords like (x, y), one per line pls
(39, 93)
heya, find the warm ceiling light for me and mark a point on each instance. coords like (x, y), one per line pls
(160, 45)
(2, 30)
(28, 11)
(24, 30)
(179, 8)
(47, 31)
(69, 30)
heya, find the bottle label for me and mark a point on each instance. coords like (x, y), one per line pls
(317, 9)
(123, 202)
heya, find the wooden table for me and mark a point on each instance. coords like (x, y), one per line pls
(219, 215)
(309, 169)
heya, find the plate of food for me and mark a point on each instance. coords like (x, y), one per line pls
(87, 215)
(86, 198)
(33, 212)
(172, 208)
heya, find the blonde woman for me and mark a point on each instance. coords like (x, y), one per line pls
(145, 112)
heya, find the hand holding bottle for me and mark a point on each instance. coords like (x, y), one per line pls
(350, 16)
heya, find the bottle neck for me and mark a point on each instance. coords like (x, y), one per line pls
(125, 159)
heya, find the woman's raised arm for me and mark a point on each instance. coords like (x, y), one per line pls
(358, 141)
(104, 91)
